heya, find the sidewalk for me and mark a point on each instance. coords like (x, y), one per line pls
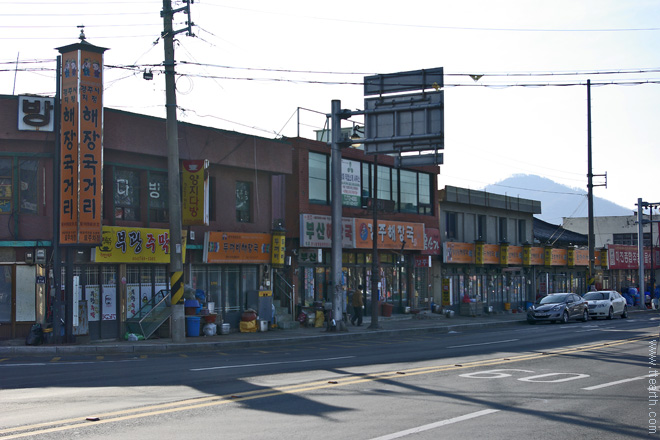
(396, 325)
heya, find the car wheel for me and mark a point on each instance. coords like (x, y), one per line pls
(564, 318)
(585, 316)
(531, 321)
(625, 312)
(610, 313)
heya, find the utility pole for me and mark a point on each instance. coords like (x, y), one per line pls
(174, 189)
(590, 193)
(375, 270)
(56, 290)
(335, 168)
(640, 250)
(591, 276)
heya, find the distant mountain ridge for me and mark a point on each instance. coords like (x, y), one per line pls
(557, 200)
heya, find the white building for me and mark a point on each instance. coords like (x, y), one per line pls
(613, 230)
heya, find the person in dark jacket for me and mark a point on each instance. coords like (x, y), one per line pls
(357, 303)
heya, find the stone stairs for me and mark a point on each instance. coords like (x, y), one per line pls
(283, 317)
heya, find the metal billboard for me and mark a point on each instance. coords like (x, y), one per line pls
(410, 81)
(409, 125)
(404, 123)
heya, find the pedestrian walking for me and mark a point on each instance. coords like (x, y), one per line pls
(357, 303)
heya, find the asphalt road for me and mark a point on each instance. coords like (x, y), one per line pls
(586, 380)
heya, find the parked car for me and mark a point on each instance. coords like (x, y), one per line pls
(558, 307)
(606, 304)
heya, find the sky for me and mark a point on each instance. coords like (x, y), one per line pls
(272, 69)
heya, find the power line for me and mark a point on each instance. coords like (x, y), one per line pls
(459, 28)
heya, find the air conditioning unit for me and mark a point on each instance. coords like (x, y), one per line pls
(40, 256)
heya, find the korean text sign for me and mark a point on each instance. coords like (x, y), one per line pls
(81, 138)
(234, 247)
(195, 203)
(133, 245)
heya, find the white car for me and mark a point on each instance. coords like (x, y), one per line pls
(606, 304)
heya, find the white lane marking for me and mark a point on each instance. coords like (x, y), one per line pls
(436, 424)
(609, 384)
(41, 364)
(270, 363)
(483, 343)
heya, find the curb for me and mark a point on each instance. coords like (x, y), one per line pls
(149, 348)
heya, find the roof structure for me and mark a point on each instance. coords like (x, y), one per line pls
(547, 233)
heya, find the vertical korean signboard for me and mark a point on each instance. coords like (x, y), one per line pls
(195, 200)
(81, 155)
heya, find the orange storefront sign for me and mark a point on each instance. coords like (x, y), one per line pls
(458, 253)
(235, 247)
(491, 254)
(81, 137)
(390, 235)
(534, 256)
(516, 255)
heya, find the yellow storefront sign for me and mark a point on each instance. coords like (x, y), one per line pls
(121, 244)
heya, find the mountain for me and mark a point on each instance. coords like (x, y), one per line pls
(557, 200)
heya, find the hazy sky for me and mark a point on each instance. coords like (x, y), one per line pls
(253, 63)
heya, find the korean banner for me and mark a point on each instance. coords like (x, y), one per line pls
(134, 245)
(81, 138)
(390, 235)
(235, 247)
(316, 231)
(195, 193)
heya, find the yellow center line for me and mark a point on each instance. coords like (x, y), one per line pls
(209, 401)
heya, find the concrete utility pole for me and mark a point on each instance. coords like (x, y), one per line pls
(335, 170)
(174, 186)
(591, 277)
(590, 192)
(375, 270)
(640, 249)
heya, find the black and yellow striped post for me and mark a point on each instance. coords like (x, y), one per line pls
(176, 281)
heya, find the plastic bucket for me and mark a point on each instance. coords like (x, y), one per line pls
(224, 330)
(192, 325)
(263, 326)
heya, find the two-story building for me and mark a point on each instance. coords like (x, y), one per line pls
(406, 232)
(227, 258)
(492, 259)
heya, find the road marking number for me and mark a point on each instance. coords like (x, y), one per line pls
(542, 378)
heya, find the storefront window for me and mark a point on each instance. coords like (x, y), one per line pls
(249, 275)
(308, 285)
(28, 177)
(5, 293)
(425, 206)
(213, 287)
(126, 194)
(408, 191)
(158, 197)
(318, 178)
(243, 202)
(384, 179)
(5, 186)
(233, 293)
(133, 295)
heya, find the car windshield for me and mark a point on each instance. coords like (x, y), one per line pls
(553, 299)
(596, 295)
